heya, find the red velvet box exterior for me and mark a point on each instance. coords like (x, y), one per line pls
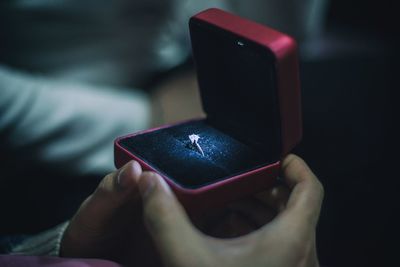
(284, 50)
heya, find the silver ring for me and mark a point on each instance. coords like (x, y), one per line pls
(194, 139)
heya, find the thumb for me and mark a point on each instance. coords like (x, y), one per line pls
(112, 194)
(103, 213)
(305, 200)
(165, 218)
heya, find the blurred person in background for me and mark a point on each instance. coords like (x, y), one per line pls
(76, 74)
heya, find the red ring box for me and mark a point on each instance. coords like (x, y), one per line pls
(249, 84)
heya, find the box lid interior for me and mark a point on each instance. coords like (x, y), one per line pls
(237, 81)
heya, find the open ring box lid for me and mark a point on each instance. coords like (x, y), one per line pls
(249, 85)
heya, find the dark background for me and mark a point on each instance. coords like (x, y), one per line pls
(349, 81)
(349, 86)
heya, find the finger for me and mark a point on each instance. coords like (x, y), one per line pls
(99, 217)
(304, 203)
(275, 198)
(238, 218)
(254, 211)
(231, 224)
(165, 218)
(98, 211)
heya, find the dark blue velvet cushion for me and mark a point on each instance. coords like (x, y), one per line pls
(170, 151)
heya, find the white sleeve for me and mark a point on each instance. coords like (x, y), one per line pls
(46, 243)
(69, 126)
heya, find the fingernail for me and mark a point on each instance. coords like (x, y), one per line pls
(131, 169)
(122, 178)
(147, 184)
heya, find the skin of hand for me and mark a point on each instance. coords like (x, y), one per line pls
(109, 223)
(130, 206)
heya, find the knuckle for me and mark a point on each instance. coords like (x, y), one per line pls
(319, 189)
(289, 160)
(305, 173)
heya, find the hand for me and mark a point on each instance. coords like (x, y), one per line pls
(109, 224)
(288, 240)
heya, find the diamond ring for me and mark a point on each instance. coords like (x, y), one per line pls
(194, 138)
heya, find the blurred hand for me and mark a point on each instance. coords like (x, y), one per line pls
(109, 224)
(176, 99)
